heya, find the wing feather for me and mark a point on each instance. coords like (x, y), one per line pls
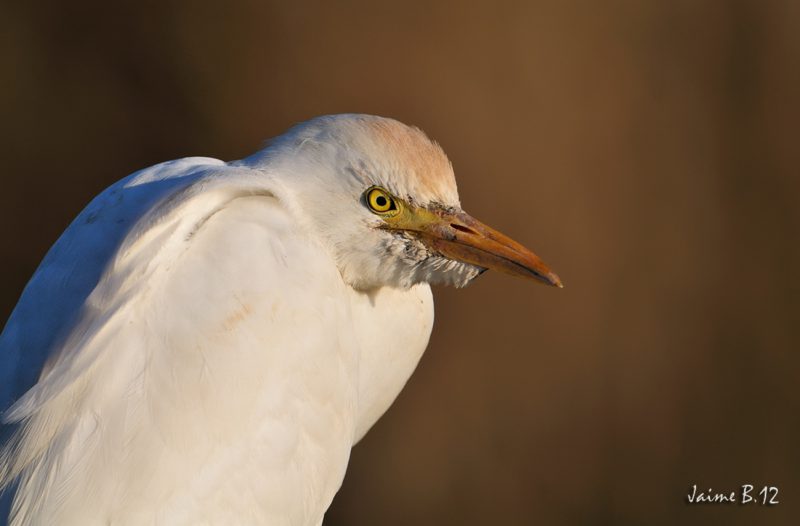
(169, 350)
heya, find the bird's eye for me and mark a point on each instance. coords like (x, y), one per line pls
(380, 201)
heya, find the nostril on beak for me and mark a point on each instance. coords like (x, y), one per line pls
(462, 228)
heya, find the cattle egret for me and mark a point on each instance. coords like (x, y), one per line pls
(207, 340)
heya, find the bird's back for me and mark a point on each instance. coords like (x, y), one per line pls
(54, 298)
(55, 295)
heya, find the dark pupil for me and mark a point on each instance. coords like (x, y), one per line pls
(380, 201)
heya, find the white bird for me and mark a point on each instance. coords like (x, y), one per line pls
(207, 341)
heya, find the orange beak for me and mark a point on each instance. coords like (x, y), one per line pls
(459, 236)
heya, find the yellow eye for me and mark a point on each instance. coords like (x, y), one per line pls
(380, 201)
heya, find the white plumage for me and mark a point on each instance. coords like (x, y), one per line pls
(207, 340)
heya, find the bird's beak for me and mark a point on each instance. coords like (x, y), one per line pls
(459, 236)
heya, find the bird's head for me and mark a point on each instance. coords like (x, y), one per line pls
(382, 196)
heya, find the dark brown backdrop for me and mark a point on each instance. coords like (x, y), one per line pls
(648, 150)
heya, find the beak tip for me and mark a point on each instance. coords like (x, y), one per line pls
(554, 280)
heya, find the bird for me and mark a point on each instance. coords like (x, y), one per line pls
(207, 340)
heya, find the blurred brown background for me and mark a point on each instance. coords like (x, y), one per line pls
(648, 150)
